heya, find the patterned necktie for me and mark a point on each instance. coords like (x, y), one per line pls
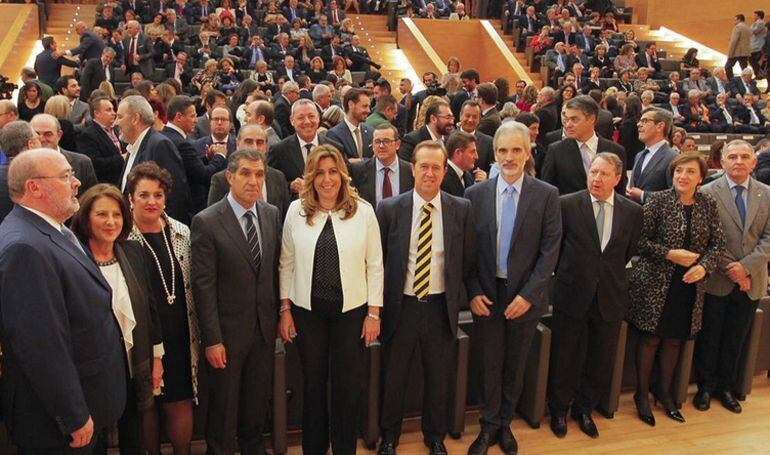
(600, 221)
(359, 142)
(507, 223)
(387, 189)
(252, 238)
(114, 139)
(421, 283)
(740, 204)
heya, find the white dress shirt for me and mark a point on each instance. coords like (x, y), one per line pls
(239, 211)
(302, 145)
(133, 150)
(457, 171)
(177, 129)
(436, 249)
(360, 255)
(608, 211)
(394, 178)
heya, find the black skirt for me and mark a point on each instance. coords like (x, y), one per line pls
(676, 317)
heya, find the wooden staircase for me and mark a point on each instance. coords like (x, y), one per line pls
(537, 79)
(381, 45)
(18, 36)
(61, 24)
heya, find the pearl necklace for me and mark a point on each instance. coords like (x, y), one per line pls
(170, 296)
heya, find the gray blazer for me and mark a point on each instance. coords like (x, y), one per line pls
(80, 114)
(232, 296)
(749, 245)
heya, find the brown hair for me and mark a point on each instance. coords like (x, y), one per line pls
(149, 171)
(688, 157)
(80, 223)
(347, 197)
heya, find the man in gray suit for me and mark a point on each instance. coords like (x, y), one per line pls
(386, 174)
(740, 45)
(70, 87)
(261, 113)
(517, 224)
(235, 248)
(138, 51)
(734, 290)
(651, 164)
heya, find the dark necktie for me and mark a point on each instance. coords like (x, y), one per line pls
(387, 189)
(253, 239)
(308, 147)
(740, 204)
(70, 236)
(639, 165)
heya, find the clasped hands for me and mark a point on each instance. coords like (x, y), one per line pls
(687, 258)
(519, 306)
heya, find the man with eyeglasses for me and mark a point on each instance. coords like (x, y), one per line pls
(49, 131)
(64, 361)
(439, 122)
(274, 188)
(385, 175)
(219, 141)
(650, 172)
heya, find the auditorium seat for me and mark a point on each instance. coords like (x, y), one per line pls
(609, 403)
(532, 401)
(748, 362)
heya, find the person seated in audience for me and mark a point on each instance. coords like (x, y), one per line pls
(459, 14)
(690, 60)
(347, 30)
(593, 82)
(226, 10)
(624, 84)
(542, 41)
(644, 82)
(649, 59)
(629, 37)
(695, 82)
(602, 61)
(673, 84)
(528, 99)
(566, 93)
(322, 31)
(178, 25)
(305, 52)
(280, 49)
(749, 115)
(210, 29)
(714, 160)
(530, 23)
(718, 82)
(677, 137)
(723, 117)
(610, 23)
(696, 113)
(626, 61)
(745, 83)
(674, 107)
(229, 76)
(557, 60)
(647, 97)
(155, 29)
(689, 145)
(430, 12)
(586, 40)
(228, 28)
(108, 20)
(208, 75)
(232, 50)
(297, 30)
(263, 77)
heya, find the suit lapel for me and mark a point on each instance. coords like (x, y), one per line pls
(617, 220)
(652, 165)
(753, 198)
(296, 155)
(577, 157)
(266, 231)
(449, 222)
(233, 228)
(488, 211)
(404, 214)
(525, 200)
(726, 197)
(588, 213)
(370, 177)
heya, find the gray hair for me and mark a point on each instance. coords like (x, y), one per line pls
(648, 94)
(736, 143)
(509, 110)
(9, 106)
(548, 92)
(247, 128)
(694, 93)
(49, 118)
(108, 51)
(611, 158)
(747, 72)
(289, 86)
(15, 136)
(137, 104)
(319, 91)
(302, 102)
(661, 115)
(25, 167)
(513, 128)
(234, 160)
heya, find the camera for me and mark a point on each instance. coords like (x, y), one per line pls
(435, 89)
(6, 88)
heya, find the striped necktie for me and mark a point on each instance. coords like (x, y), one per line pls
(251, 236)
(421, 284)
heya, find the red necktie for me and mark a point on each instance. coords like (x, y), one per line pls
(114, 139)
(387, 190)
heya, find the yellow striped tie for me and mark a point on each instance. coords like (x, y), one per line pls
(424, 240)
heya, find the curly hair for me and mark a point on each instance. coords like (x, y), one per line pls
(347, 198)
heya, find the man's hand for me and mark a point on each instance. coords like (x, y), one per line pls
(479, 305)
(635, 194)
(736, 272)
(217, 356)
(296, 185)
(682, 257)
(216, 149)
(82, 436)
(479, 175)
(745, 284)
(518, 307)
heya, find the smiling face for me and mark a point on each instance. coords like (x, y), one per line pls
(429, 169)
(148, 201)
(327, 181)
(511, 154)
(105, 220)
(687, 177)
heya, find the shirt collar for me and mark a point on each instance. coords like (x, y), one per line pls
(393, 166)
(351, 127)
(610, 200)
(177, 129)
(502, 185)
(484, 112)
(214, 140)
(135, 146)
(732, 184)
(592, 143)
(456, 169)
(419, 201)
(433, 136)
(48, 219)
(656, 146)
(238, 208)
(302, 143)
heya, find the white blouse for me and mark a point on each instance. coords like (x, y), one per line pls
(121, 304)
(359, 248)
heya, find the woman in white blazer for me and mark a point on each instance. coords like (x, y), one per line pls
(331, 275)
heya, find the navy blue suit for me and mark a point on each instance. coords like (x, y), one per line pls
(49, 69)
(341, 133)
(64, 359)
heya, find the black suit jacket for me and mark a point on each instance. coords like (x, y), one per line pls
(91, 46)
(585, 271)
(232, 296)
(286, 156)
(64, 358)
(341, 133)
(185, 76)
(410, 141)
(198, 172)
(452, 183)
(6, 204)
(363, 174)
(93, 75)
(534, 245)
(395, 218)
(83, 168)
(282, 109)
(549, 118)
(275, 183)
(490, 122)
(486, 151)
(95, 144)
(641, 61)
(49, 69)
(158, 148)
(563, 165)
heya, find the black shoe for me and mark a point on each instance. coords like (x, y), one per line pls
(729, 402)
(437, 448)
(643, 410)
(481, 444)
(702, 400)
(386, 448)
(508, 443)
(674, 414)
(587, 425)
(559, 426)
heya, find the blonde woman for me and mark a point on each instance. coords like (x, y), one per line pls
(331, 297)
(452, 70)
(59, 106)
(428, 102)
(208, 75)
(108, 88)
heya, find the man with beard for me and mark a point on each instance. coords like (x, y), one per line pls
(439, 121)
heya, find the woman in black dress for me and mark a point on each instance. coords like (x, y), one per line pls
(682, 240)
(628, 135)
(168, 243)
(31, 102)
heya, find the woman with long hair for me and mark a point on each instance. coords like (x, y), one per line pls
(31, 101)
(628, 133)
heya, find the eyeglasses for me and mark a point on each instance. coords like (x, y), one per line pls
(446, 117)
(67, 177)
(645, 121)
(383, 142)
(220, 119)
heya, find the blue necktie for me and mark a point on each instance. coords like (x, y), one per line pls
(638, 168)
(740, 204)
(507, 221)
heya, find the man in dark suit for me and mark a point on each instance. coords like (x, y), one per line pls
(461, 159)
(220, 139)
(487, 99)
(283, 107)
(198, 167)
(16, 137)
(750, 116)
(734, 289)
(99, 141)
(293, 11)
(357, 56)
(354, 135)
(604, 125)
(137, 6)
(586, 40)
(649, 59)
(423, 298)
(332, 50)
(470, 123)
(64, 377)
(334, 14)
(744, 83)
(274, 189)
(135, 121)
(650, 172)
(235, 246)
(675, 108)
(288, 69)
(49, 130)
(139, 56)
(203, 123)
(509, 283)
(385, 175)
(470, 79)
(548, 113)
(95, 72)
(290, 155)
(600, 233)
(566, 162)
(180, 70)
(49, 62)
(439, 121)
(91, 45)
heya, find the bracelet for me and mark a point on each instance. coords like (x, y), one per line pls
(284, 309)
(373, 316)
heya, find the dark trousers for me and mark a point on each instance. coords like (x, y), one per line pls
(754, 61)
(330, 340)
(742, 61)
(726, 323)
(422, 324)
(582, 354)
(129, 427)
(239, 396)
(504, 347)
